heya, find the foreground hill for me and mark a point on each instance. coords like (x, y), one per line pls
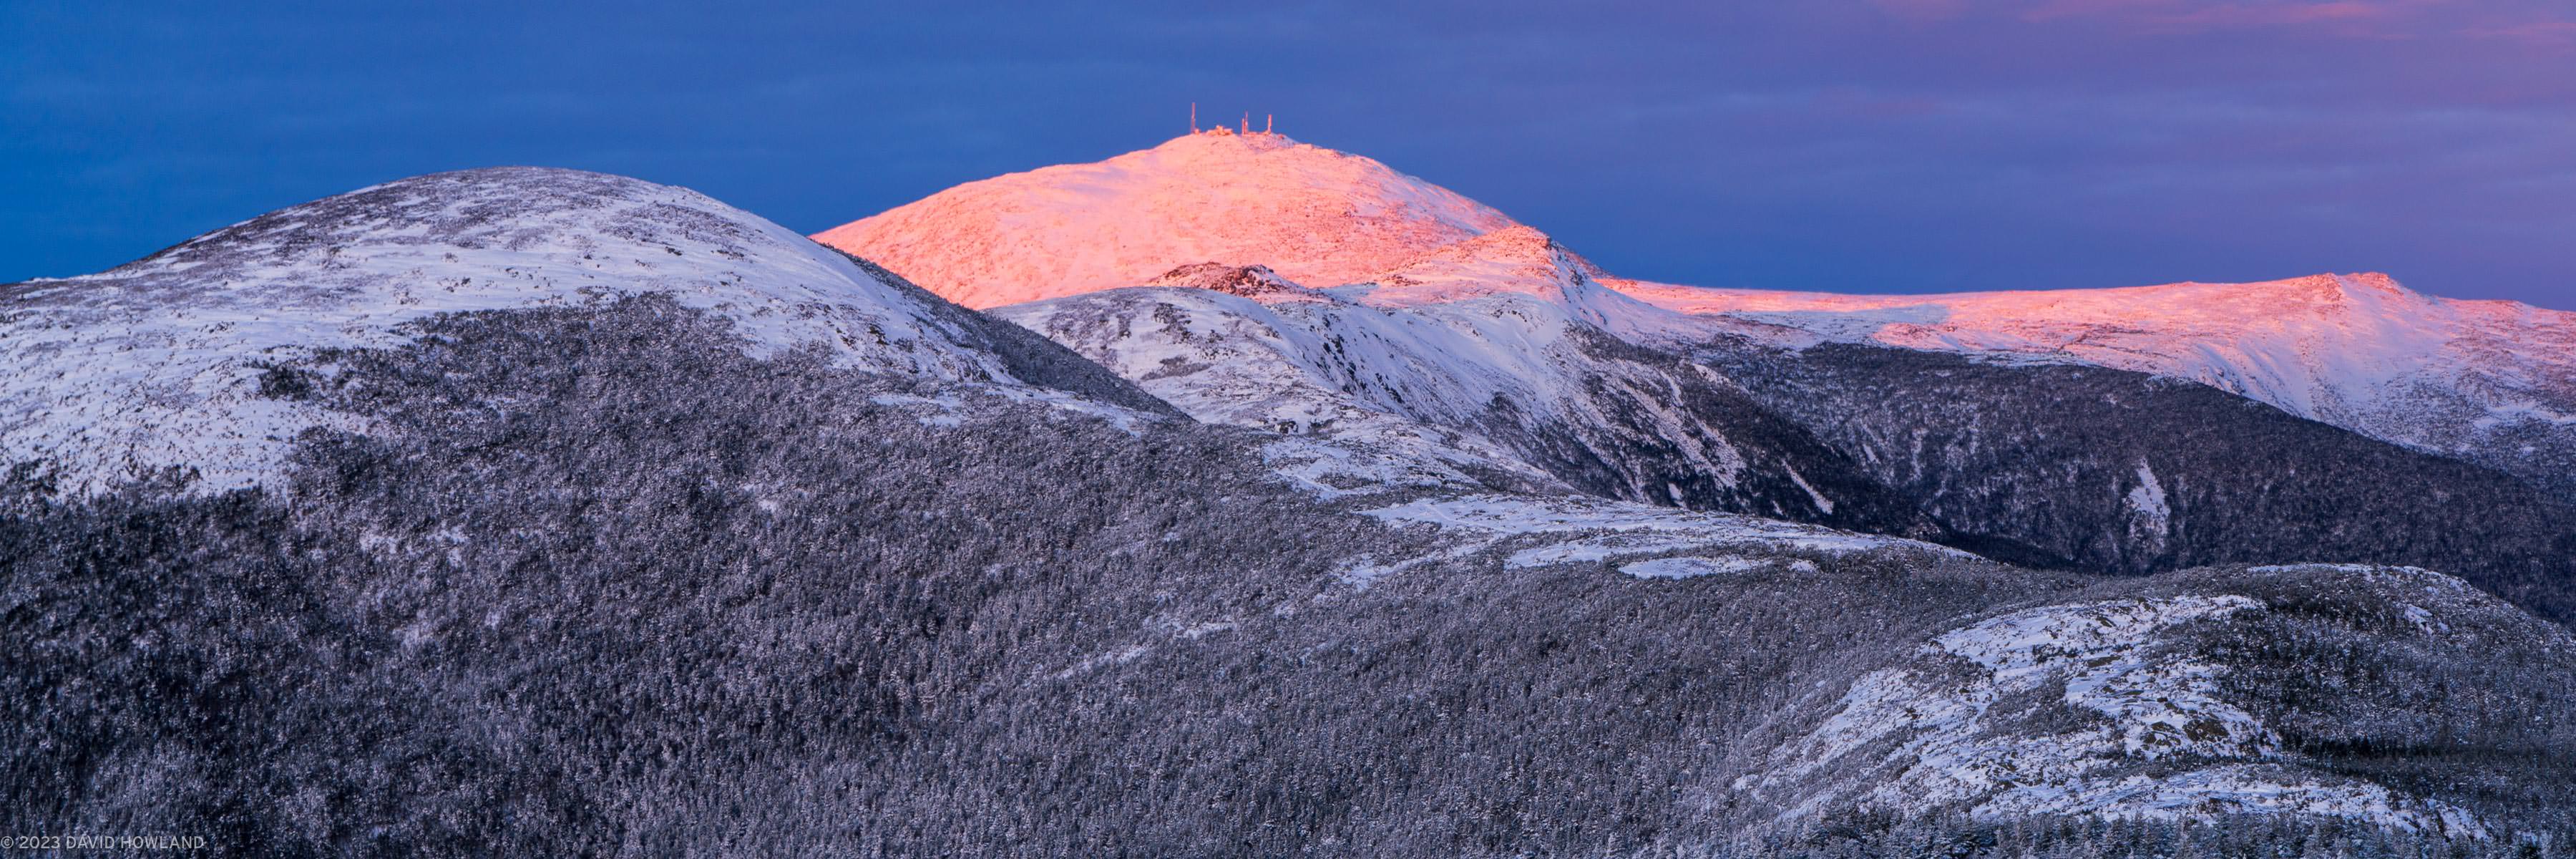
(163, 362)
(804, 605)
(638, 573)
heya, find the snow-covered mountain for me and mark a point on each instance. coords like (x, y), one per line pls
(2492, 382)
(1505, 354)
(586, 507)
(1313, 215)
(1491, 355)
(161, 362)
(2489, 382)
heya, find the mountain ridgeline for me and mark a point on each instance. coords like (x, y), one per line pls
(1269, 502)
(1947, 418)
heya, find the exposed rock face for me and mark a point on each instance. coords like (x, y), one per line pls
(1249, 281)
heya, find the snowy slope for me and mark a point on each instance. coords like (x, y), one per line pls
(158, 363)
(1490, 355)
(2493, 382)
(1494, 358)
(1532, 531)
(2114, 708)
(1313, 366)
(1315, 216)
(2113, 661)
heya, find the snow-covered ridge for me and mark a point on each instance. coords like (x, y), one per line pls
(1314, 215)
(1298, 366)
(2481, 378)
(1544, 531)
(157, 363)
(1432, 384)
(1523, 263)
(1944, 729)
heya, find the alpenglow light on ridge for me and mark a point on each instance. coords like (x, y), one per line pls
(1316, 216)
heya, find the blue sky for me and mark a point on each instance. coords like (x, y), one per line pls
(1868, 145)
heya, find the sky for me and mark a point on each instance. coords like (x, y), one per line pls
(1851, 145)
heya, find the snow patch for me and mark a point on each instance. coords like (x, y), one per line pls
(1571, 529)
(940, 411)
(2148, 498)
(1521, 515)
(2522, 411)
(1331, 470)
(2150, 516)
(1121, 656)
(1823, 504)
(1685, 568)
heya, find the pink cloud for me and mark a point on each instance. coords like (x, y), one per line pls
(2055, 9)
(2188, 15)
(2537, 24)
(2553, 34)
(2240, 15)
(2165, 15)
(2379, 18)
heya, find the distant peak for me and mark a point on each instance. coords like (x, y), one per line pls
(1313, 215)
(473, 209)
(509, 174)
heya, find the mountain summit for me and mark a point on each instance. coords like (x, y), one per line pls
(1313, 215)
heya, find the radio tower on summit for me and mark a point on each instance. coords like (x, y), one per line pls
(1269, 123)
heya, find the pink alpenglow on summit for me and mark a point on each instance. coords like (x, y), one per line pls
(1315, 216)
(1276, 221)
